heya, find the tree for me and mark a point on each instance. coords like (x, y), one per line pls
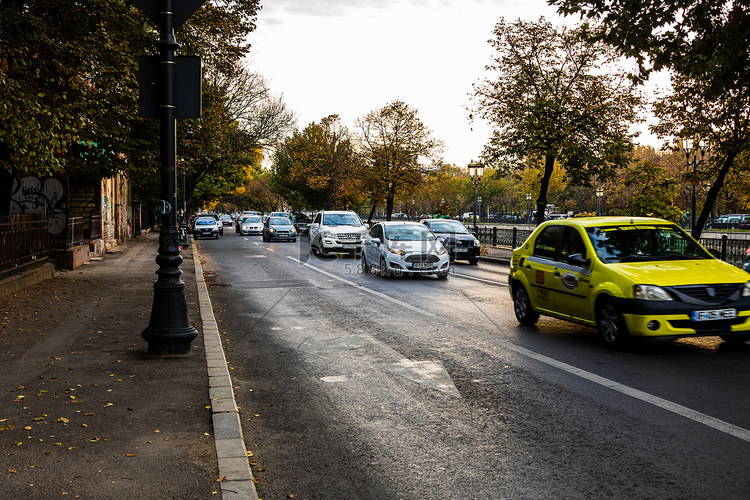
(695, 38)
(704, 44)
(68, 81)
(318, 166)
(551, 101)
(392, 140)
(721, 122)
(654, 193)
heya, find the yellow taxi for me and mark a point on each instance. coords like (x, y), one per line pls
(630, 277)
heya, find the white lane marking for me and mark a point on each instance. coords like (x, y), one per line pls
(662, 403)
(334, 378)
(365, 289)
(489, 282)
(684, 411)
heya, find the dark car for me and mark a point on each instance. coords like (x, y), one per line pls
(279, 228)
(205, 226)
(301, 222)
(460, 243)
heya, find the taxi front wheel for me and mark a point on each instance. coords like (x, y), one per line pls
(522, 307)
(611, 325)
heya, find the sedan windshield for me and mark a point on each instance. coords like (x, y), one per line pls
(453, 227)
(408, 233)
(252, 219)
(205, 222)
(341, 220)
(279, 221)
(644, 243)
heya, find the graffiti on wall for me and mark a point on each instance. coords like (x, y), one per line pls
(31, 195)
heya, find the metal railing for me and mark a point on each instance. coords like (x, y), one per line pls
(24, 241)
(74, 232)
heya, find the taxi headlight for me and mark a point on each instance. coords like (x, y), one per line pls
(396, 251)
(746, 289)
(650, 292)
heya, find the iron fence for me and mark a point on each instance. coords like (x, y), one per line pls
(24, 241)
(74, 234)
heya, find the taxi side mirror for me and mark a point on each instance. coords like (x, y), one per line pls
(577, 259)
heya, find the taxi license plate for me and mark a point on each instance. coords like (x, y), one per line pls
(714, 314)
(421, 265)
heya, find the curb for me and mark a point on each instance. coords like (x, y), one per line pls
(234, 468)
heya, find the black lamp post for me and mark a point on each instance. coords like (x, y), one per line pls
(169, 330)
(599, 195)
(475, 173)
(528, 208)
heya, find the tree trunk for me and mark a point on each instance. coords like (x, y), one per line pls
(541, 202)
(372, 212)
(713, 195)
(388, 206)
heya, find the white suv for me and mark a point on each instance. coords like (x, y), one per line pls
(336, 231)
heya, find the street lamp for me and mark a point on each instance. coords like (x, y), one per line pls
(475, 173)
(599, 194)
(688, 146)
(528, 208)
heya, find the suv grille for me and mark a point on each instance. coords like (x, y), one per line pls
(349, 237)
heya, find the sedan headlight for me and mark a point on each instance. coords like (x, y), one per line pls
(292, 230)
(650, 292)
(396, 251)
(746, 289)
(442, 250)
(271, 230)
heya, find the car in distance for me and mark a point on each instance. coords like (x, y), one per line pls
(398, 248)
(251, 224)
(630, 277)
(279, 228)
(205, 226)
(336, 231)
(460, 243)
(226, 220)
(301, 222)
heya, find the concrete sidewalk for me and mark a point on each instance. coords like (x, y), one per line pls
(85, 412)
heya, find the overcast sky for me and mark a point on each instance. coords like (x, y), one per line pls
(349, 57)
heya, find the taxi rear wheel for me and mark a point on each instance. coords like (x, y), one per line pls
(611, 325)
(522, 307)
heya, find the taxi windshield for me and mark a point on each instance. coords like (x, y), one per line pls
(640, 243)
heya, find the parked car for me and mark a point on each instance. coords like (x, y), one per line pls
(336, 231)
(251, 224)
(630, 277)
(205, 226)
(731, 221)
(301, 222)
(397, 248)
(460, 243)
(279, 228)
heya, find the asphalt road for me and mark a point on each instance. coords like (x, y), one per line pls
(358, 387)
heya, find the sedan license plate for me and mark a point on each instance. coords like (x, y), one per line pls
(421, 265)
(348, 247)
(714, 314)
(461, 249)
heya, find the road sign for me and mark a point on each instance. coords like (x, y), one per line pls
(181, 10)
